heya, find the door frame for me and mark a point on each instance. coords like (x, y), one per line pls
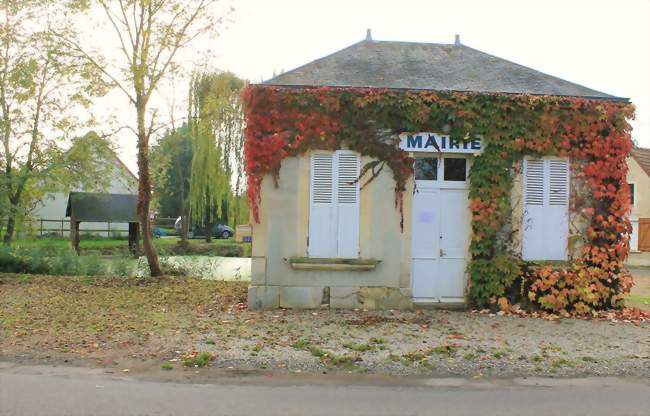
(440, 185)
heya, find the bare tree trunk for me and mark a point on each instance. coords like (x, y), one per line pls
(144, 192)
(184, 219)
(11, 217)
(183, 235)
(9, 233)
(208, 231)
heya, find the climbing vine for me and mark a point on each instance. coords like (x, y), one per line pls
(284, 122)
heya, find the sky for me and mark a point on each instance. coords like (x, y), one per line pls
(604, 45)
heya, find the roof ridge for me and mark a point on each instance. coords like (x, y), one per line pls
(409, 65)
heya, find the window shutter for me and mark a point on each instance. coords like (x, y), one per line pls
(545, 226)
(558, 182)
(322, 207)
(348, 167)
(534, 186)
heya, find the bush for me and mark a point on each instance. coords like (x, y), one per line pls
(66, 263)
(32, 260)
(49, 260)
(93, 266)
(10, 262)
(577, 288)
(123, 267)
(228, 250)
(491, 277)
(218, 249)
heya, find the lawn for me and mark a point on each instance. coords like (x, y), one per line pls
(93, 243)
(109, 246)
(640, 294)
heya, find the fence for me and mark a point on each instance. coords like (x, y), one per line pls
(61, 227)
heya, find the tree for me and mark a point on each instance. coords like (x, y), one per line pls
(150, 35)
(42, 88)
(171, 161)
(216, 124)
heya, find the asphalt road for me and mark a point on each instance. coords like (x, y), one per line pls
(91, 393)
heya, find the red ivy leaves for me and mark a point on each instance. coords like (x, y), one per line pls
(284, 122)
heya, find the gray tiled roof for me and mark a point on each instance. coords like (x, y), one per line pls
(427, 66)
(98, 207)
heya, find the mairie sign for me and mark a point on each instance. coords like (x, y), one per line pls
(433, 142)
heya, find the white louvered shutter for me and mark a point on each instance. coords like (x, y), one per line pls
(534, 186)
(545, 226)
(322, 207)
(348, 166)
(557, 211)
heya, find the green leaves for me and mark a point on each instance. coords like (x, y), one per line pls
(217, 143)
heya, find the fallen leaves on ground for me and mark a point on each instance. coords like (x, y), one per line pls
(82, 314)
(202, 322)
(626, 315)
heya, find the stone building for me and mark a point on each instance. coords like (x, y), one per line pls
(323, 238)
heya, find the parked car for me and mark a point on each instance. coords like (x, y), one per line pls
(218, 230)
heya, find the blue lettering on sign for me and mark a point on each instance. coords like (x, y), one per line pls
(434, 143)
(428, 142)
(414, 141)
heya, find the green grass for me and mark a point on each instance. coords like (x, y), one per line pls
(300, 344)
(93, 243)
(200, 360)
(361, 347)
(106, 245)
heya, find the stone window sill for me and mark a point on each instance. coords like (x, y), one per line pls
(306, 263)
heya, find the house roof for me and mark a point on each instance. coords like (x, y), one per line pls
(428, 66)
(97, 207)
(642, 156)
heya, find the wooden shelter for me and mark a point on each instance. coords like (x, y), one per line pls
(98, 207)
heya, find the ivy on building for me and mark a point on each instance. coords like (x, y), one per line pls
(283, 122)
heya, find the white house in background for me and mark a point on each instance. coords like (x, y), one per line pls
(638, 177)
(49, 215)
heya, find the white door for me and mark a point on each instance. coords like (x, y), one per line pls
(426, 241)
(454, 241)
(441, 228)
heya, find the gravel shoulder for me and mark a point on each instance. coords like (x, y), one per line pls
(120, 323)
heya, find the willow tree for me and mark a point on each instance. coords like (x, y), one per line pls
(216, 122)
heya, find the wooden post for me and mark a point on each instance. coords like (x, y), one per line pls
(134, 238)
(61, 227)
(108, 233)
(74, 234)
(41, 227)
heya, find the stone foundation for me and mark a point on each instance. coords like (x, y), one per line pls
(336, 297)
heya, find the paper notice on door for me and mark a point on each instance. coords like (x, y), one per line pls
(425, 217)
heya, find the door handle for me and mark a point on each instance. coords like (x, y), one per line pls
(442, 253)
